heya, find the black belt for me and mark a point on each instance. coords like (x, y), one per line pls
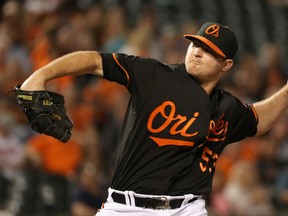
(152, 202)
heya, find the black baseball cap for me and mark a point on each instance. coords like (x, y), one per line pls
(218, 37)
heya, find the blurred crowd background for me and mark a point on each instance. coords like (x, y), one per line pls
(41, 176)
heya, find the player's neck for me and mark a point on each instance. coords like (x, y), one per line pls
(208, 87)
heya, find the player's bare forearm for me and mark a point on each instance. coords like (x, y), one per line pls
(270, 109)
(76, 63)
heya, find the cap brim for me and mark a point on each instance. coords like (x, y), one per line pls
(207, 42)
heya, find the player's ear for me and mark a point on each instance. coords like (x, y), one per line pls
(228, 63)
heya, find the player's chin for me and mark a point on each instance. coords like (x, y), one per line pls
(192, 69)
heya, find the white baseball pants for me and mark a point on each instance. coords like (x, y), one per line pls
(111, 208)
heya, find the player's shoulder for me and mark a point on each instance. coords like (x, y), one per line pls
(159, 65)
(222, 92)
(180, 68)
(142, 62)
(226, 98)
(134, 57)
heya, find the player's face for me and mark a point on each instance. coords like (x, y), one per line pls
(204, 64)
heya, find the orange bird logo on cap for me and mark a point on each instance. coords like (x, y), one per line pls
(213, 30)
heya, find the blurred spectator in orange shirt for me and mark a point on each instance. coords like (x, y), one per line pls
(57, 163)
(54, 156)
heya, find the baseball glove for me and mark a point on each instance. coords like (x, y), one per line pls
(45, 112)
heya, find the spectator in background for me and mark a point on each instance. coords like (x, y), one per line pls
(88, 196)
(86, 132)
(14, 61)
(280, 192)
(12, 160)
(269, 61)
(217, 202)
(57, 163)
(115, 28)
(109, 109)
(273, 158)
(249, 78)
(245, 193)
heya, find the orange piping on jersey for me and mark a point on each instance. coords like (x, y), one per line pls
(127, 75)
(255, 113)
(165, 142)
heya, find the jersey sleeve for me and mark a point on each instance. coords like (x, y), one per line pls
(134, 72)
(244, 123)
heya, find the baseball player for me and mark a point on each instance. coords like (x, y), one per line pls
(177, 122)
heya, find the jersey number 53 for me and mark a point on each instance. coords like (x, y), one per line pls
(209, 160)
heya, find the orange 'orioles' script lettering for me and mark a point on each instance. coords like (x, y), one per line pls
(179, 125)
(217, 131)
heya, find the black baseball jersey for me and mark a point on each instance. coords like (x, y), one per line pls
(173, 131)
